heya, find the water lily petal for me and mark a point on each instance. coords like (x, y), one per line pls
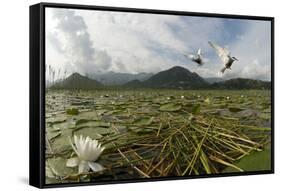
(72, 162)
(87, 150)
(80, 144)
(83, 167)
(102, 149)
(77, 144)
(95, 143)
(96, 167)
(84, 142)
(75, 139)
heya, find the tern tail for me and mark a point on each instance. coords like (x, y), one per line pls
(222, 70)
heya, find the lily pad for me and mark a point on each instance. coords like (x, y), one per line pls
(61, 144)
(56, 119)
(94, 132)
(57, 165)
(170, 107)
(80, 121)
(49, 172)
(135, 129)
(92, 135)
(145, 130)
(121, 128)
(52, 134)
(94, 124)
(196, 109)
(268, 110)
(88, 115)
(265, 116)
(235, 109)
(143, 121)
(72, 111)
(64, 125)
(256, 161)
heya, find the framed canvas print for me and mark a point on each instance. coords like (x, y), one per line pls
(126, 95)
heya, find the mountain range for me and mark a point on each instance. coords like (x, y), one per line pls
(77, 81)
(113, 78)
(212, 80)
(174, 78)
(242, 83)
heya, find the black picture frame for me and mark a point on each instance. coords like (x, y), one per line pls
(37, 91)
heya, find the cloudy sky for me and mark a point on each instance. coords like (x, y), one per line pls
(89, 42)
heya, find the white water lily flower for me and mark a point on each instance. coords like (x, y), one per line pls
(207, 100)
(182, 97)
(88, 151)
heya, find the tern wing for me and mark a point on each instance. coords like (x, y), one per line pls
(199, 51)
(223, 53)
(189, 56)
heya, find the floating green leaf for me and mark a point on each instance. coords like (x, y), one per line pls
(52, 134)
(72, 111)
(256, 161)
(57, 166)
(94, 132)
(196, 109)
(235, 109)
(80, 121)
(265, 116)
(93, 124)
(56, 119)
(88, 132)
(121, 128)
(88, 115)
(170, 107)
(143, 121)
(61, 144)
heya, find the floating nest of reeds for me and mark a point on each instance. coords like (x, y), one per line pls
(179, 147)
